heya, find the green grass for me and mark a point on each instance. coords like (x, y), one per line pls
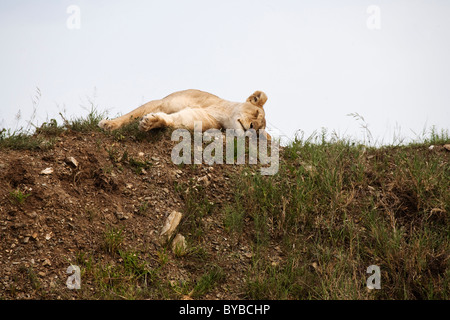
(50, 128)
(130, 131)
(18, 197)
(122, 273)
(337, 208)
(197, 207)
(208, 281)
(32, 277)
(44, 136)
(123, 158)
(87, 123)
(143, 208)
(234, 218)
(129, 277)
(19, 140)
(113, 240)
(136, 165)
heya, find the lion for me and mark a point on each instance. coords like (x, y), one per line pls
(181, 109)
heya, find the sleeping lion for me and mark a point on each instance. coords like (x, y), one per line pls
(181, 109)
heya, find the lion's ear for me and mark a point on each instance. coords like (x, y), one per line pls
(258, 98)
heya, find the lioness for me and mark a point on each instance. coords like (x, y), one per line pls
(181, 109)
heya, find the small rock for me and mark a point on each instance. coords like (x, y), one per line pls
(170, 226)
(47, 171)
(447, 147)
(204, 180)
(32, 214)
(431, 147)
(26, 240)
(41, 274)
(121, 216)
(72, 161)
(141, 154)
(18, 225)
(46, 263)
(179, 245)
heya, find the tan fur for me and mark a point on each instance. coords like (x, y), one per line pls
(181, 109)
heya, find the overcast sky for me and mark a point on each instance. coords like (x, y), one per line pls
(317, 61)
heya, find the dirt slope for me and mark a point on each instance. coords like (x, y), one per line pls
(122, 185)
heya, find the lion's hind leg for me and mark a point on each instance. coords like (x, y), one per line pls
(149, 107)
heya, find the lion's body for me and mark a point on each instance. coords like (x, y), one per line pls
(181, 109)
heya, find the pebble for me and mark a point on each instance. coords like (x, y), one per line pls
(72, 161)
(32, 214)
(121, 216)
(179, 245)
(46, 263)
(47, 171)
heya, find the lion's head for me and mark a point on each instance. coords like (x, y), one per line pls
(252, 115)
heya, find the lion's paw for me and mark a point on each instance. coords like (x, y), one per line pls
(108, 125)
(151, 121)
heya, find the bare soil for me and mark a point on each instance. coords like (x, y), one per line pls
(67, 212)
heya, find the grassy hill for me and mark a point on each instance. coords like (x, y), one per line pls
(334, 208)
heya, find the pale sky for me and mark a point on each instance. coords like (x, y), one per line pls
(317, 61)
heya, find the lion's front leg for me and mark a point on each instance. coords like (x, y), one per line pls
(155, 120)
